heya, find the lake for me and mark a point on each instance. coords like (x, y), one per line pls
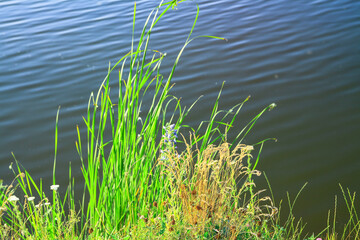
(302, 55)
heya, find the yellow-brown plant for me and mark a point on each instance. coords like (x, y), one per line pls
(211, 192)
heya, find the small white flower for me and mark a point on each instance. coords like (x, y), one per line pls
(47, 204)
(54, 187)
(10, 166)
(31, 199)
(38, 205)
(13, 198)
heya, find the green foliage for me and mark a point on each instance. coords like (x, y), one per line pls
(138, 185)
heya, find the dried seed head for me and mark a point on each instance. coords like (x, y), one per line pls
(171, 229)
(274, 211)
(172, 222)
(242, 211)
(193, 192)
(155, 204)
(198, 208)
(91, 230)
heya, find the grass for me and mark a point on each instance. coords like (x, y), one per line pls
(138, 185)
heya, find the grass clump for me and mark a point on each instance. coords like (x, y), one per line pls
(138, 185)
(33, 215)
(211, 196)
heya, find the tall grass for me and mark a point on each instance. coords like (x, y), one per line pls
(136, 181)
(121, 182)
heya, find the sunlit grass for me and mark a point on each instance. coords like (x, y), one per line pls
(138, 185)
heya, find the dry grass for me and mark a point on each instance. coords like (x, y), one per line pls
(211, 195)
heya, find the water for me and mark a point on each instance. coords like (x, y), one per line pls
(302, 55)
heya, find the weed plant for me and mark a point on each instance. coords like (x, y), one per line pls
(211, 196)
(138, 185)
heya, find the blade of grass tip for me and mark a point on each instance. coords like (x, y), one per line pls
(34, 184)
(352, 200)
(28, 182)
(298, 194)
(56, 143)
(195, 21)
(295, 199)
(187, 42)
(54, 167)
(345, 198)
(209, 127)
(258, 156)
(351, 208)
(20, 178)
(262, 144)
(143, 35)
(186, 111)
(143, 62)
(250, 125)
(319, 234)
(78, 144)
(334, 220)
(270, 188)
(133, 31)
(160, 16)
(291, 205)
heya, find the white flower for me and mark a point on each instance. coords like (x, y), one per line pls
(31, 199)
(10, 166)
(54, 187)
(47, 204)
(13, 198)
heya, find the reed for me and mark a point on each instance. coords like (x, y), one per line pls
(137, 183)
(121, 181)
